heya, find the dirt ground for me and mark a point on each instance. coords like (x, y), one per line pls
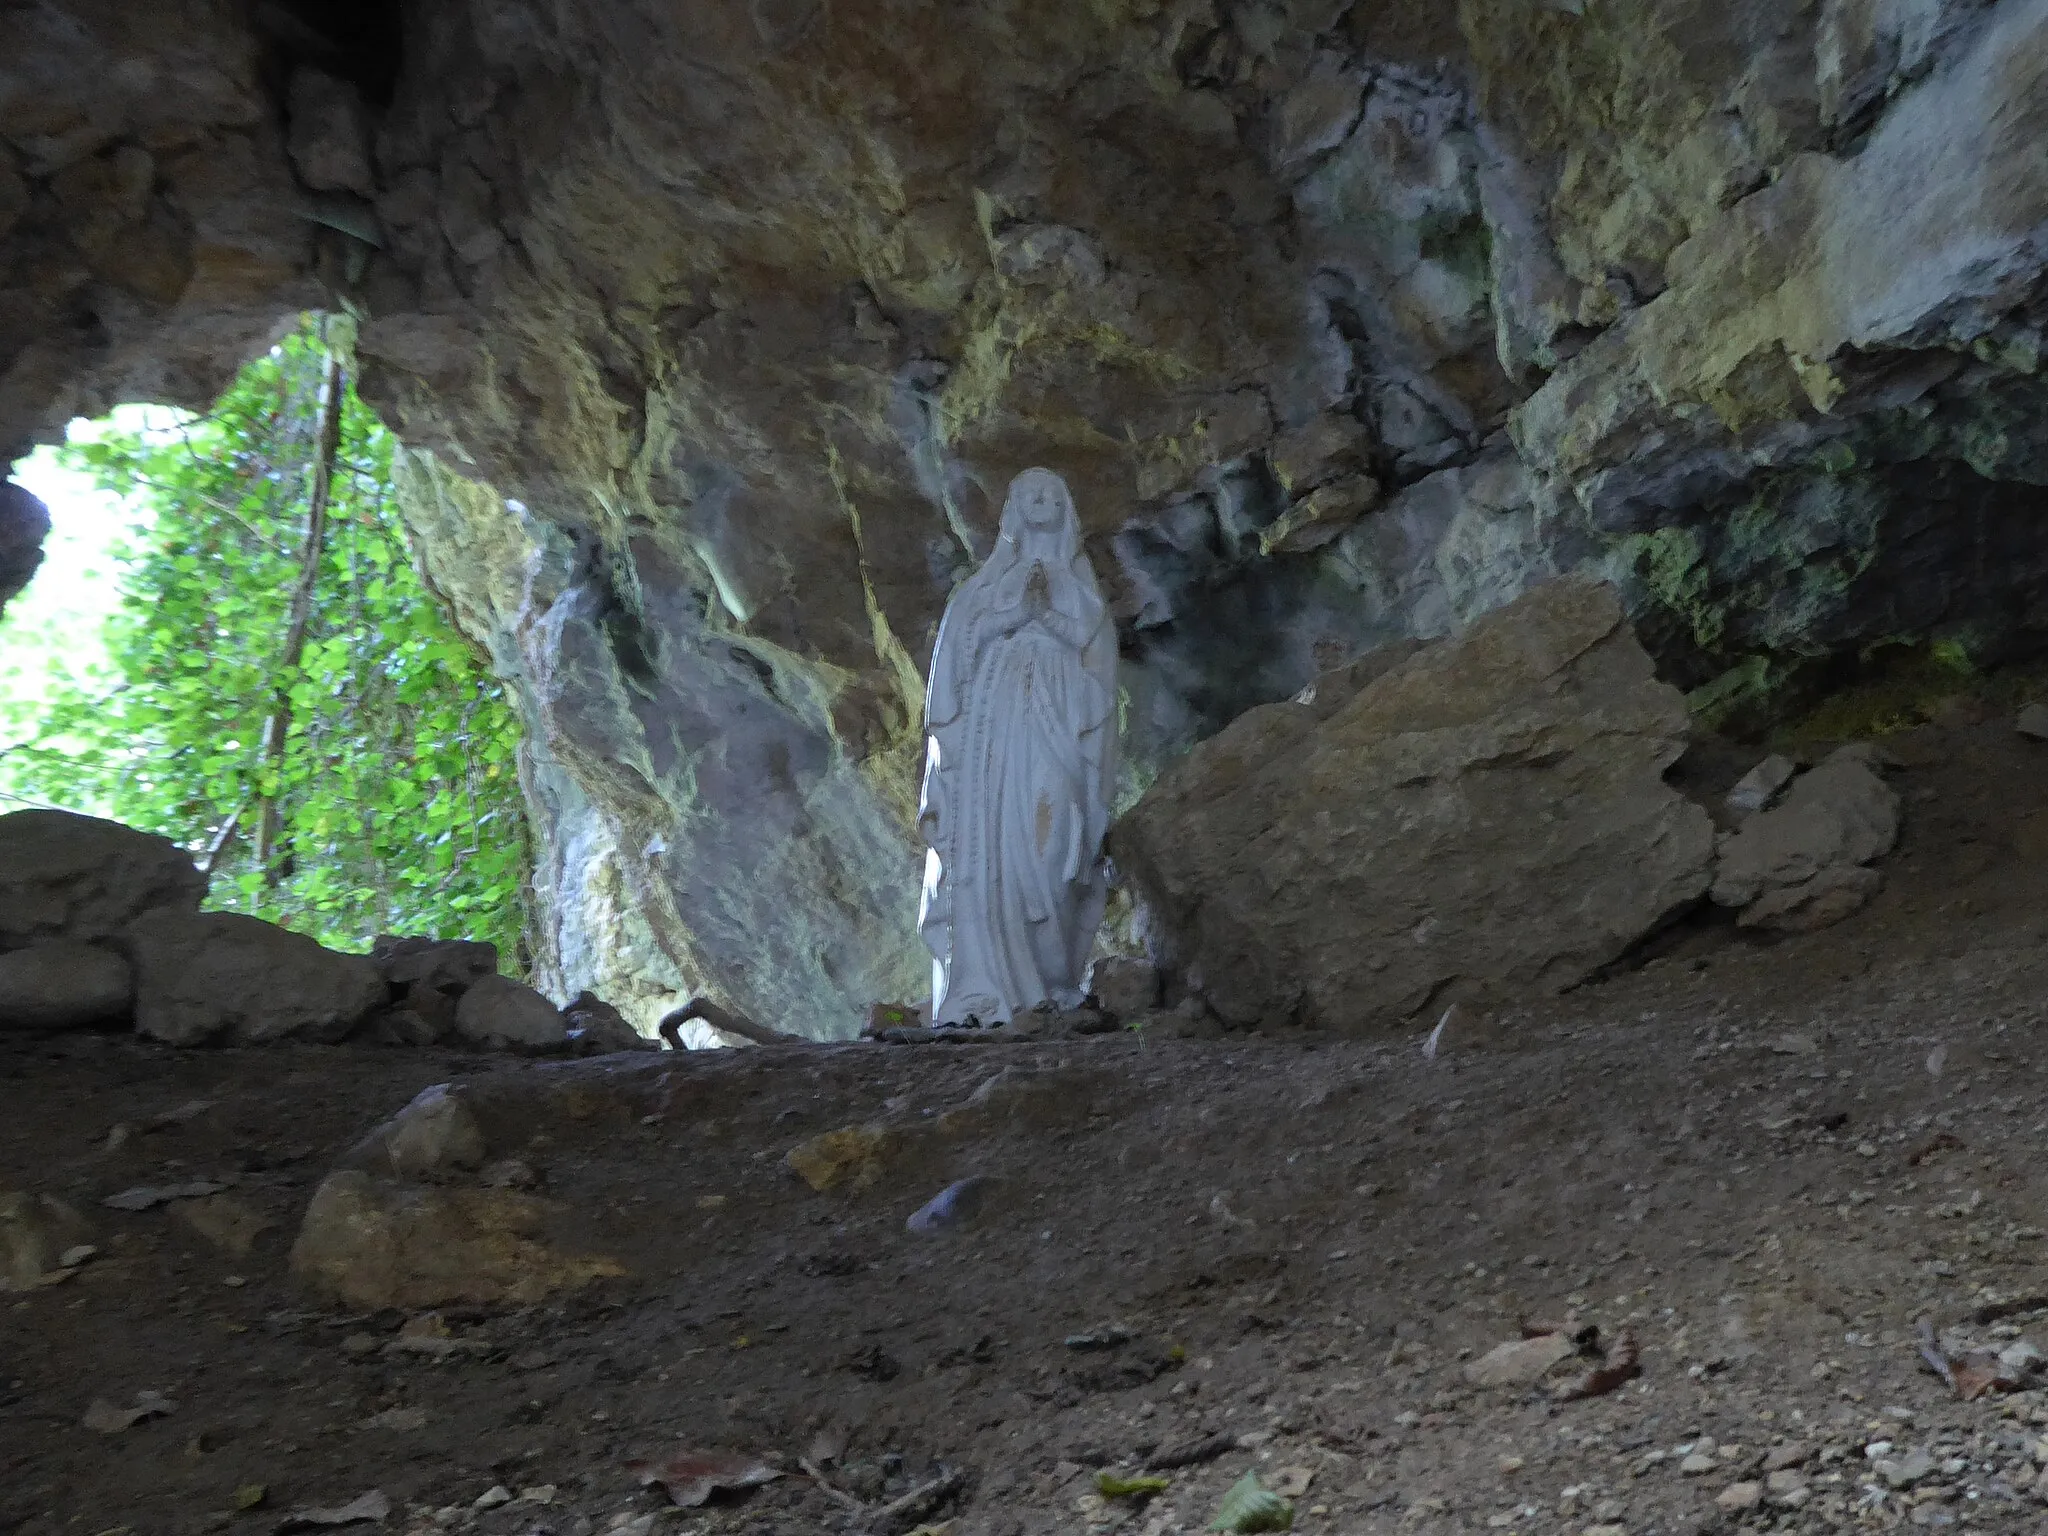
(1259, 1252)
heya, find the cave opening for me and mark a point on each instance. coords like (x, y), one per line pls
(232, 644)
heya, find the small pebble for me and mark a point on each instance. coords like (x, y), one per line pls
(1779, 1457)
(1737, 1497)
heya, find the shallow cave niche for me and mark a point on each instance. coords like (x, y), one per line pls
(360, 43)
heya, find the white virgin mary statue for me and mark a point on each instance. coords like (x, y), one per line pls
(1020, 755)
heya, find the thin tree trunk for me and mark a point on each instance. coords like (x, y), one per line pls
(220, 842)
(277, 729)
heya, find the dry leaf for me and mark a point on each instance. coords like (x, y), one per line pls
(1977, 1374)
(1940, 1141)
(829, 1444)
(691, 1477)
(1623, 1364)
(109, 1420)
(1969, 1376)
(370, 1506)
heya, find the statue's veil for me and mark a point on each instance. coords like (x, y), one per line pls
(1000, 583)
(1056, 546)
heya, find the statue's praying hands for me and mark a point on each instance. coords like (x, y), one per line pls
(1037, 591)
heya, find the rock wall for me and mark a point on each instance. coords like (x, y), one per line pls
(725, 325)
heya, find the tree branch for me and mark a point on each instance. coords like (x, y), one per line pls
(277, 729)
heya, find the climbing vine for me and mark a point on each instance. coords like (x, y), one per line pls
(283, 695)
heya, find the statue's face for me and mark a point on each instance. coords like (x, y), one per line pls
(1039, 499)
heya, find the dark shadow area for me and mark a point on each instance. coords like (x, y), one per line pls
(363, 44)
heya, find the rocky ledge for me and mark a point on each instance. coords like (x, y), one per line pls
(100, 928)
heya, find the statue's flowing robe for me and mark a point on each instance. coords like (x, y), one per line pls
(1020, 761)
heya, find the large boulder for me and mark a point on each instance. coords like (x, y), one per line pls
(448, 965)
(501, 1014)
(1487, 813)
(376, 1243)
(596, 1028)
(433, 1136)
(224, 976)
(1800, 865)
(62, 985)
(64, 876)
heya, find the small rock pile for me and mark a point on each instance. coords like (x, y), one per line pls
(100, 925)
(1887, 1472)
(1799, 860)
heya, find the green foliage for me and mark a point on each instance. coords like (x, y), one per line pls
(396, 804)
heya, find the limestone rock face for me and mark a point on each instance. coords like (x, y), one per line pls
(61, 985)
(221, 976)
(80, 878)
(1489, 811)
(330, 144)
(151, 233)
(718, 328)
